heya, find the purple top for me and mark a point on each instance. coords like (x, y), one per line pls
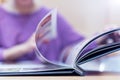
(16, 29)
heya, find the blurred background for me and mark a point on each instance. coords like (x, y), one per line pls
(87, 16)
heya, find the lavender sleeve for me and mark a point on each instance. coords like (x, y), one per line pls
(66, 33)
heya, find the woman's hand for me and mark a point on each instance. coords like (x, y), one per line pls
(30, 43)
(11, 54)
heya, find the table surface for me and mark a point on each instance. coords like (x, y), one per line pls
(106, 77)
(88, 77)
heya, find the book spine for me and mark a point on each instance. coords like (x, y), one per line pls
(79, 71)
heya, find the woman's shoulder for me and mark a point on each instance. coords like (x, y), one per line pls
(42, 10)
(2, 11)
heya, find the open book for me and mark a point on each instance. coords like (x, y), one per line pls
(79, 54)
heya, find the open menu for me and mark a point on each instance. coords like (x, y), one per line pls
(77, 55)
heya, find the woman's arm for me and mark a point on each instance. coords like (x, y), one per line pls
(17, 51)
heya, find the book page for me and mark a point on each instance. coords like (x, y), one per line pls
(46, 33)
(107, 43)
(28, 66)
(109, 64)
(84, 50)
(46, 30)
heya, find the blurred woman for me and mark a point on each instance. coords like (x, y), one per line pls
(17, 26)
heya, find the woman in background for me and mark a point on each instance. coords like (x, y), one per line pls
(17, 26)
